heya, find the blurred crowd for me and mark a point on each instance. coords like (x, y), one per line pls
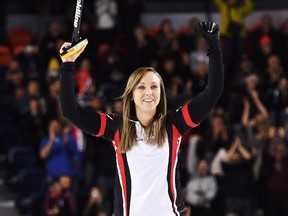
(233, 163)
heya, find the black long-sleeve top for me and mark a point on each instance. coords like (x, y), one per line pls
(199, 107)
(146, 173)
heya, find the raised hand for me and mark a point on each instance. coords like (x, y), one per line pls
(210, 32)
(73, 57)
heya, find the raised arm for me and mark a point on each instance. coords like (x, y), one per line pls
(219, 4)
(260, 106)
(231, 150)
(245, 113)
(87, 120)
(247, 6)
(244, 152)
(203, 103)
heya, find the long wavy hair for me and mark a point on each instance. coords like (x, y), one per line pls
(155, 132)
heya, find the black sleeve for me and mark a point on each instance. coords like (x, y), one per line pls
(85, 119)
(202, 104)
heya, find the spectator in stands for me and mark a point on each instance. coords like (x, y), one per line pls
(111, 75)
(238, 178)
(254, 96)
(106, 12)
(178, 92)
(273, 73)
(257, 124)
(214, 138)
(94, 206)
(267, 28)
(49, 40)
(117, 107)
(29, 60)
(262, 54)
(52, 69)
(200, 77)
(254, 111)
(198, 55)
(236, 167)
(200, 190)
(52, 98)
(278, 102)
(258, 130)
(168, 69)
(33, 89)
(166, 34)
(14, 79)
(245, 69)
(33, 124)
(89, 166)
(142, 47)
(59, 151)
(233, 31)
(59, 201)
(99, 167)
(189, 35)
(276, 175)
(174, 61)
(84, 84)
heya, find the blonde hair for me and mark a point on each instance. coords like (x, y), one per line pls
(155, 132)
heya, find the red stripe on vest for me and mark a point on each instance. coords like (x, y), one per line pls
(174, 152)
(120, 162)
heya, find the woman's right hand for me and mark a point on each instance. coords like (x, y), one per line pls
(73, 57)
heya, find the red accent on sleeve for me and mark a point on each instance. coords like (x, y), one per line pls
(103, 123)
(187, 117)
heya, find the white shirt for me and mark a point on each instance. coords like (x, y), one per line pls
(148, 165)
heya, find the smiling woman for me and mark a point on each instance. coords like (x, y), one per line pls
(145, 88)
(146, 138)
